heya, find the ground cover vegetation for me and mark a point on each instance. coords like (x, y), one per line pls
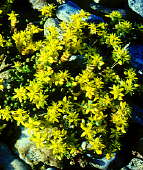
(70, 86)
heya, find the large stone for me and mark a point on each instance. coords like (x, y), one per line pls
(102, 163)
(112, 3)
(32, 155)
(8, 161)
(38, 4)
(104, 10)
(134, 164)
(137, 6)
(64, 12)
(51, 22)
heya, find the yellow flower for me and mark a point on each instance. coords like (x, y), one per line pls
(61, 77)
(121, 55)
(44, 75)
(2, 41)
(93, 28)
(1, 84)
(17, 64)
(58, 147)
(12, 18)
(98, 116)
(87, 131)
(115, 15)
(98, 83)
(5, 114)
(47, 10)
(97, 61)
(20, 116)
(39, 139)
(39, 100)
(24, 40)
(109, 156)
(21, 94)
(120, 117)
(89, 91)
(53, 113)
(97, 145)
(130, 73)
(105, 101)
(117, 92)
(113, 40)
(123, 27)
(32, 29)
(31, 124)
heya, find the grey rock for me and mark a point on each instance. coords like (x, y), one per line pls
(27, 150)
(112, 3)
(94, 18)
(84, 145)
(38, 4)
(97, 1)
(51, 168)
(102, 9)
(51, 22)
(32, 155)
(102, 163)
(76, 58)
(137, 6)
(8, 161)
(134, 164)
(64, 12)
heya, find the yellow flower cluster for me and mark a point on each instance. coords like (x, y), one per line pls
(13, 18)
(24, 41)
(115, 16)
(123, 27)
(120, 117)
(2, 41)
(63, 101)
(47, 10)
(1, 84)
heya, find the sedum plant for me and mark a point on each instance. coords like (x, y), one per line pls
(71, 86)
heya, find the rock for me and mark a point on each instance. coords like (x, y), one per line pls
(134, 164)
(51, 22)
(38, 4)
(8, 161)
(51, 168)
(84, 145)
(77, 58)
(137, 6)
(97, 1)
(64, 12)
(112, 3)
(136, 52)
(102, 9)
(102, 163)
(32, 155)
(22, 146)
(94, 18)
